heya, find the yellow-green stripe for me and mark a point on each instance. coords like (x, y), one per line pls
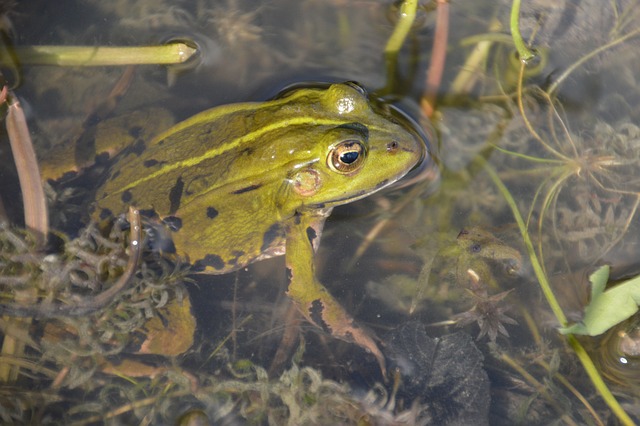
(288, 122)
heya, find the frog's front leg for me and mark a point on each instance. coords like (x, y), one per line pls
(311, 297)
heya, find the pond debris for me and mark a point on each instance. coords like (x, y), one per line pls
(90, 296)
(446, 375)
(76, 305)
(487, 311)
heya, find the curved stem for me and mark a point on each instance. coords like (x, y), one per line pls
(554, 86)
(578, 349)
(523, 51)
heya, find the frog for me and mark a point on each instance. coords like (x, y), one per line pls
(476, 255)
(244, 182)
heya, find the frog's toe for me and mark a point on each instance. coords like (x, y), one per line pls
(328, 315)
(364, 339)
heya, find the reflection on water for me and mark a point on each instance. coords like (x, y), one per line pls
(433, 261)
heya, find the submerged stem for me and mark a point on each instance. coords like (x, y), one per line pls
(578, 349)
(92, 56)
(524, 52)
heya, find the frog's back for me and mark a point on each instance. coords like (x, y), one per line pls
(210, 191)
(229, 179)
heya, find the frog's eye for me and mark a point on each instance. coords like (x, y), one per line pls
(475, 248)
(347, 157)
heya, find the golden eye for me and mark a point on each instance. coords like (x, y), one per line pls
(347, 157)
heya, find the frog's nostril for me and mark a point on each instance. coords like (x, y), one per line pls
(393, 146)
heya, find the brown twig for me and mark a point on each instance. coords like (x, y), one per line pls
(438, 59)
(36, 216)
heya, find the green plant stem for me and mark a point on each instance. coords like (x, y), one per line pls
(92, 56)
(598, 382)
(405, 21)
(403, 26)
(578, 349)
(523, 51)
(554, 86)
(535, 263)
(494, 37)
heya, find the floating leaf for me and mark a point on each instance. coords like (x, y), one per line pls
(607, 308)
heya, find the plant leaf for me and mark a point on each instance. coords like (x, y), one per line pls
(607, 308)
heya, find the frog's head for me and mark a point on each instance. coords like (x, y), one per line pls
(358, 149)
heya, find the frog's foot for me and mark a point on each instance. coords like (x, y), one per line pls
(327, 314)
(353, 333)
(310, 296)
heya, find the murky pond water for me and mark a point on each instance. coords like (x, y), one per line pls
(463, 278)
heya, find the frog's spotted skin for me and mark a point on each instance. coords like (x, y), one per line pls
(244, 182)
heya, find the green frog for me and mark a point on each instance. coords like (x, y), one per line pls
(245, 182)
(475, 251)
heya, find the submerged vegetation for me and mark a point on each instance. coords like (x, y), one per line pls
(515, 256)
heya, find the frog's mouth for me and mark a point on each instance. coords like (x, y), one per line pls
(350, 198)
(427, 168)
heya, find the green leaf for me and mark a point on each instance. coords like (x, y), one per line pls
(607, 308)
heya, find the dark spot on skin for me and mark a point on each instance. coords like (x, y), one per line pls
(174, 223)
(289, 276)
(348, 336)
(158, 239)
(168, 246)
(165, 321)
(115, 175)
(311, 234)
(211, 260)
(135, 131)
(105, 213)
(297, 218)
(246, 189)
(195, 267)
(138, 147)
(126, 196)
(236, 255)
(101, 159)
(175, 195)
(150, 163)
(66, 176)
(270, 236)
(315, 313)
(381, 184)
(212, 213)
(318, 206)
(247, 151)
(148, 213)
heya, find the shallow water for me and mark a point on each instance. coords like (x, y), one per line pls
(449, 258)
